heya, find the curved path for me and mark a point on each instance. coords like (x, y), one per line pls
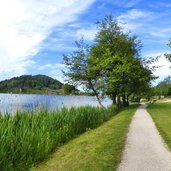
(145, 149)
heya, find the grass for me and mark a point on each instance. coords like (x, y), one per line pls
(164, 99)
(161, 114)
(96, 150)
(28, 138)
(43, 91)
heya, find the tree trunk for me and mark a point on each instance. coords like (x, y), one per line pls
(118, 102)
(96, 94)
(98, 99)
(125, 101)
(113, 97)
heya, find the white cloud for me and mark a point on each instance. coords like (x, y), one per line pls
(161, 32)
(59, 78)
(134, 19)
(131, 3)
(24, 24)
(54, 70)
(88, 34)
(160, 4)
(44, 67)
(57, 74)
(163, 64)
(124, 3)
(146, 23)
(51, 66)
(133, 14)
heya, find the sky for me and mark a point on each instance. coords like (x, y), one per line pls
(34, 34)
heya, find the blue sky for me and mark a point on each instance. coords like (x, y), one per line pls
(34, 34)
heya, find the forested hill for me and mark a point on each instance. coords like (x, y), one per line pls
(38, 84)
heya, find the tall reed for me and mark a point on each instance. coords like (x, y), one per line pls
(28, 137)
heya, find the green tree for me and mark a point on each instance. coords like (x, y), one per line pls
(115, 56)
(111, 66)
(78, 69)
(169, 91)
(168, 55)
(163, 87)
(68, 89)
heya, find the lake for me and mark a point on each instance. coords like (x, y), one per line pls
(10, 103)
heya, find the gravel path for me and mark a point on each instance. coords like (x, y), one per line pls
(145, 149)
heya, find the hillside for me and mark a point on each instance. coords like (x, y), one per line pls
(38, 84)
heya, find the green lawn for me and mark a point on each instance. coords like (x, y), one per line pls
(164, 99)
(96, 150)
(161, 114)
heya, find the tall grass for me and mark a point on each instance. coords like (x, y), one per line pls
(28, 138)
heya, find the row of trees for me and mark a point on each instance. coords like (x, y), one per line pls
(111, 66)
(163, 88)
(69, 89)
(25, 82)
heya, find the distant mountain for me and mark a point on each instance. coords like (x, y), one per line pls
(38, 84)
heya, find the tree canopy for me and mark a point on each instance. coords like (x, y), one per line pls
(30, 84)
(68, 89)
(163, 88)
(168, 55)
(111, 65)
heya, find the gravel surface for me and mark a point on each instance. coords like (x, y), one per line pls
(145, 149)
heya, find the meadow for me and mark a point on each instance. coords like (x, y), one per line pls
(161, 114)
(98, 149)
(27, 138)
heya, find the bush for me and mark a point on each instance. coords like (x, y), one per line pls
(28, 138)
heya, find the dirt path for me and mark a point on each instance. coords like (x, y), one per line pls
(145, 149)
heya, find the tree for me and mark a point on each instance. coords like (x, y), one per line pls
(111, 66)
(78, 70)
(164, 87)
(116, 58)
(68, 89)
(168, 55)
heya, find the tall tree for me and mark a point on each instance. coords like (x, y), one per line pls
(68, 89)
(168, 55)
(164, 87)
(78, 71)
(116, 56)
(112, 65)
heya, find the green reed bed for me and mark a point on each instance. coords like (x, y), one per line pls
(28, 138)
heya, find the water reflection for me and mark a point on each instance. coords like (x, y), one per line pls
(10, 103)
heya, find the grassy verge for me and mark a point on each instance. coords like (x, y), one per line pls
(28, 138)
(96, 150)
(161, 114)
(164, 99)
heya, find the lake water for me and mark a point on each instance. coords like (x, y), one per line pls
(10, 103)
